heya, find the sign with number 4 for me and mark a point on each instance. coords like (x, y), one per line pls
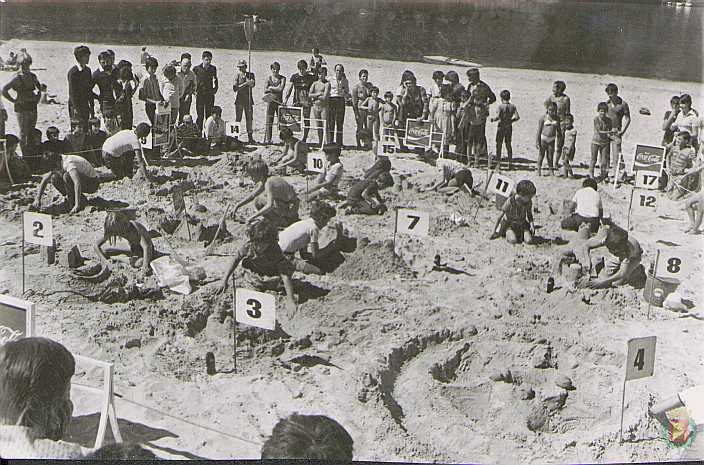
(255, 308)
(315, 162)
(640, 362)
(414, 222)
(38, 229)
(646, 180)
(673, 264)
(502, 185)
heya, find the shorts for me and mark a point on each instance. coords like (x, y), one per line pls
(121, 166)
(504, 134)
(574, 221)
(612, 265)
(248, 279)
(518, 228)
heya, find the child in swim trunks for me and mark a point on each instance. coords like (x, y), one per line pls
(516, 219)
(601, 142)
(372, 106)
(548, 130)
(295, 152)
(569, 141)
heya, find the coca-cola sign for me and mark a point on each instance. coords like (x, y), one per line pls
(648, 158)
(418, 133)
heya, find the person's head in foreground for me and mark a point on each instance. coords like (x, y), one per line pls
(188, 119)
(302, 66)
(185, 64)
(321, 213)
(169, 72)
(332, 152)
(552, 109)
(590, 182)
(314, 437)
(682, 139)
(52, 133)
(257, 170)
(262, 235)
(242, 65)
(24, 60)
(123, 451)
(322, 73)
(35, 387)
(206, 57)
(473, 75)
(505, 95)
(675, 102)
(151, 65)
(685, 102)
(438, 77)
(142, 130)
(275, 68)
(525, 191)
(363, 76)
(612, 91)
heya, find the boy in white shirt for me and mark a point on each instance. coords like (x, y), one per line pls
(328, 181)
(72, 176)
(586, 206)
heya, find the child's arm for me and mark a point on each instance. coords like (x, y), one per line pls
(290, 296)
(222, 287)
(494, 233)
(249, 198)
(529, 217)
(541, 123)
(515, 116)
(42, 186)
(442, 183)
(363, 105)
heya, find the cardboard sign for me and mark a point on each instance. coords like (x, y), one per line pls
(292, 118)
(674, 263)
(255, 308)
(647, 180)
(315, 162)
(500, 184)
(38, 228)
(640, 361)
(644, 202)
(178, 201)
(414, 222)
(16, 319)
(146, 142)
(648, 158)
(232, 129)
(388, 145)
(160, 130)
(418, 133)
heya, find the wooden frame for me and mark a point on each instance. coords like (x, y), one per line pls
(19, 304)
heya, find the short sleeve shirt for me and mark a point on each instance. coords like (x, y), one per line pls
(298, 235)
(588, 202)
(122, 142)
(617, 111)
(333, 174)
(271, 262)
(80, 164)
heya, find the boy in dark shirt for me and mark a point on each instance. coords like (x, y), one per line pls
(53, 144)
(300, 85)
(506, 115)
(206, 87)
(80, 86)
(516, 219)
(103, 78)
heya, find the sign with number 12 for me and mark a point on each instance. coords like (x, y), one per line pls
(255, 308)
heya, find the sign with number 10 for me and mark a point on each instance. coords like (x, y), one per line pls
(315, 162)
(255, 308)
(38, 229)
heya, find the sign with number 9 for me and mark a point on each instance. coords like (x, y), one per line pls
(38, 228)
(255, 308)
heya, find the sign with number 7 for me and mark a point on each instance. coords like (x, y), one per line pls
(414, 222)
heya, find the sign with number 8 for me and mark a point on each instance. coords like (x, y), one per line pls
(255, 308)
(673, 264)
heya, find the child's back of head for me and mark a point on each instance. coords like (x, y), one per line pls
(314, 437)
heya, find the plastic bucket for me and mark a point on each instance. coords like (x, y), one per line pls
(657, 289)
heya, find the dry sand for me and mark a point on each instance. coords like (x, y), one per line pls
(401, 355)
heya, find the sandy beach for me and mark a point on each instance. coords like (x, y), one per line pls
(401, 355)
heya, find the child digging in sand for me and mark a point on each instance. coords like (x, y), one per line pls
(295, 152)
(327, 183)
(548, 131)
(261, 259)
(455, 177)
(363, 197)
(516, 219)
(122, 224)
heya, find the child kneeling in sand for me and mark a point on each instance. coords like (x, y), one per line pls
(516, 219)
(122, 224)
(303, 236)
(295, 152)
(363, 197)
(261, 259)
(455, 178)
(71, 175)
(326, 186)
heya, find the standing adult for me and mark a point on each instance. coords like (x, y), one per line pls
(80, 86)
(275, 85)
(189, 82)
(412, 102)
(620, 116)
(244, 101)
(206, 87)
(339, 95)
(299, 84)
(686, 119)
(27, 94)
(124, 89)
(476, 111)
(360, 92)
(103, 78)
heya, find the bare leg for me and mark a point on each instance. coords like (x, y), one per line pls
(550, 154)
(592, 162)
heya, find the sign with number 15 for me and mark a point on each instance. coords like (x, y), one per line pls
(38, 229)
(255, 308)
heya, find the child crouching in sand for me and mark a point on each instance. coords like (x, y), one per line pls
(455, 178)
(516, 219)
(363, 197)
(261, 259)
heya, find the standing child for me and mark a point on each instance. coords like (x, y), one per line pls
(601, 142)
(150, 91)
(371, 107)
(389, 114)
(506, 115)
(262, 259)
(569, 141)
(548, 131)
(516, 218)
(562, 101)
(443, 116)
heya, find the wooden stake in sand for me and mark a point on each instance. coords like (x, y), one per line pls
(652, 282)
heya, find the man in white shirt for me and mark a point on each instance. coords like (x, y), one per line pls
(587, 208)
(121, 149)
(72, 176)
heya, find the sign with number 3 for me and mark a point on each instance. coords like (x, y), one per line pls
(414, 222)
(38, 229)
(255, 308)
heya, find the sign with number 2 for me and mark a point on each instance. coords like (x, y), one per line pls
(38, 229)
(255, 308)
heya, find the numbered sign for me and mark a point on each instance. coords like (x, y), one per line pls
(647, 180)
(500, 184)
(641, 357)
(414, 222)
(673, 263)
(160, 130)
(255, 308)
(146, 142)
(233, 129)
(388, 145)
(315, 162)
(644, 202)
(16, 319)
(38, 229)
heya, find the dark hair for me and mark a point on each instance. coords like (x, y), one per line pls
(675, 98)
(380, 166)
(122, 451)
(321, 211)
(686, 98)
(276, 65)
(262, 231)
(217, 109)
(472, 71)
(316, 50)
(322, 70)
(446, 91)
(186, 55)
(144, 48)
(374, 89)
(169, 71)
(560, 85)
(111, 53)
(407, 76)
(363, 71)
(314, 437)
(206, 53)
(568, 116)
(257, 167)
(602, 106)
(685, 134)
(617, 234)
(590, 182)
(505, 95)
(51, 129)
(151, 62)
(525, 188)
(11, 139)
(611, 88)
(332, 149)
(103, 56)
(36, 374)
(388, 93)
(80, 51)
(453, 77)
(551, 105)
(143, 128)
(302, 64)
(438, 75)
(285, 133)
